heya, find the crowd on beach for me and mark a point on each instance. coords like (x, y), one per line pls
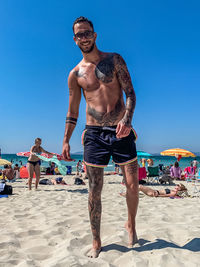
(166, 174)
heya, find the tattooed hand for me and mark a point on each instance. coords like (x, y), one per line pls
(122, 130)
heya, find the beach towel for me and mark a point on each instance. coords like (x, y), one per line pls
(62, 169)
(1, 196)
(2, 185)
(142, 173)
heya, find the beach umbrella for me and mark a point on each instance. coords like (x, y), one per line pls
(4, 162)
(178, 153)
(143, 154)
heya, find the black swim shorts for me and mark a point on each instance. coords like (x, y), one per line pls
(100, 143)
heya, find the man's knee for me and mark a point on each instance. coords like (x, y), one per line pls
(95, 187)
(132, 187)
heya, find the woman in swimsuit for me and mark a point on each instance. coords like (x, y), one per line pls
(179, 190)
(33, 164)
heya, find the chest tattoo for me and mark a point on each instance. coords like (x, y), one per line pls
(105, 69)
(80, 73)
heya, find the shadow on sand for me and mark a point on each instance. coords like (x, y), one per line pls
(145, 245)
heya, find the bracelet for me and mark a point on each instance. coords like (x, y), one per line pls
(71, 122)
(71, 119)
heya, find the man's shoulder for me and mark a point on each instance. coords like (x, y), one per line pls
(111, 55)
(75, 70)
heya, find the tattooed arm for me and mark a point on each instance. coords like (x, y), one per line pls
(124, 126)
(72, 114)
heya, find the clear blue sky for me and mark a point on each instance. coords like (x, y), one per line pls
(159, 40)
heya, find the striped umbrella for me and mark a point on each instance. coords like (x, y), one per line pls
(23, 154)
(4, 162)
(27, 154)
(178, 153)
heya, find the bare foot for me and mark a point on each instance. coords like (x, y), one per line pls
(132, 236)
(94, 253)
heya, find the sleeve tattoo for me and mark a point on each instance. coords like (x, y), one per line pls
(126, 84)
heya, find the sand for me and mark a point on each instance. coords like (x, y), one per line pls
(50, 227)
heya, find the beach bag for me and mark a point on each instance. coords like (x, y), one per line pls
(7, 189)
(59, 180)
(78, 181)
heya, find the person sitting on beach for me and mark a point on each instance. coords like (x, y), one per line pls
(34, 162)
(150, 162)
(166, 177)
(195, 164)
(143, 162)
(8, 173)
(175, 171)
(52, 168)
(179, 190)
(78, 167)
(17, 170)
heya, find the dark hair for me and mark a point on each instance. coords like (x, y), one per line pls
(6, 166)
(38, 139)
(82, 19)
(16, 165)
(176, 164)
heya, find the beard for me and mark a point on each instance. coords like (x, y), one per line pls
(87, 50)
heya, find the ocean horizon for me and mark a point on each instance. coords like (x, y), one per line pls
(157, 159)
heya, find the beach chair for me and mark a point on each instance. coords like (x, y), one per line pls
(153, 174)
(189, 174)
(196, 188)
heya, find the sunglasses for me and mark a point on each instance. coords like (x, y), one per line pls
(86, 34)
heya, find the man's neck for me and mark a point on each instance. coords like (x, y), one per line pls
(92, 56)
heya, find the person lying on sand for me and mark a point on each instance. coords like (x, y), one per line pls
(56, 181)
(179, 190)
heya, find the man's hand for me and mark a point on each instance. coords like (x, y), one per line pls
(122, 130)
(66, 152)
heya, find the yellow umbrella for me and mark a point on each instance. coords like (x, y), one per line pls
(178, 153)
(4, 162)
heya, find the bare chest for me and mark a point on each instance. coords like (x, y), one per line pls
(92, 76)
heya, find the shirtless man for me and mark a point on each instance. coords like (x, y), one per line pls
(8, 172)
(103, 77)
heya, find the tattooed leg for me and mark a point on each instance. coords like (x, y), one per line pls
(95, 176)
(131, 180)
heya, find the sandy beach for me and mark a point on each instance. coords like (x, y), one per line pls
(50, 227)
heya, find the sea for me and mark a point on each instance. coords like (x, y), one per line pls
(157, 159)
